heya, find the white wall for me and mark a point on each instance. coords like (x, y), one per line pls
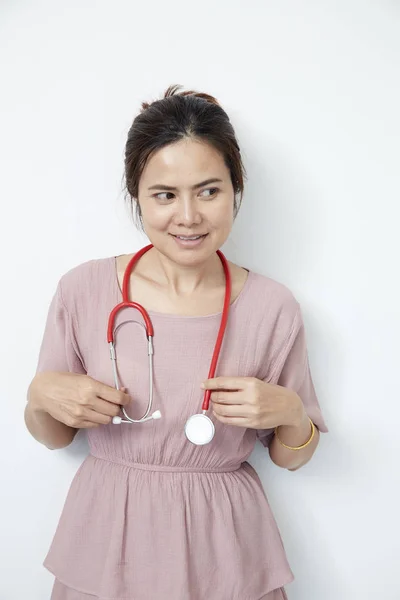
(313, 91)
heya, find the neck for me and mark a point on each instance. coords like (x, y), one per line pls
(185, 279)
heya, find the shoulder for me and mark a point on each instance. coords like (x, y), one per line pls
(273, 304)
(83, 278)
(276, 293)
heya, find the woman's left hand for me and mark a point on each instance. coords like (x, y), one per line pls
(250, 402)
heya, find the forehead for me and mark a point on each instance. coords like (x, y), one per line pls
(184, 161)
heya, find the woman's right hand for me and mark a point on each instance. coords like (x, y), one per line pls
(78, 401)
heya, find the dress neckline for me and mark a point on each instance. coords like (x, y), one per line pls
(161, 315)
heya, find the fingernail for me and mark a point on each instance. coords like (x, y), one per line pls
(202, 386)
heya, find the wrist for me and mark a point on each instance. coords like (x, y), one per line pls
(295, 414)
(297, 427)
(296, 439)
(296, 434)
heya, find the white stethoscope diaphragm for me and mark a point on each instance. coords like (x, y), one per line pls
(199, 429)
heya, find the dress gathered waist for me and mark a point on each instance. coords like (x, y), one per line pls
(166, 468)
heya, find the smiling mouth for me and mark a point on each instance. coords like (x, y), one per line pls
(189, 237)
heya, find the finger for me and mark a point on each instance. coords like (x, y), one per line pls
(230, 410)
(225, 383)
(106, 408)
(97, 418)
(227, 397)
(111, 394)
(237, 421)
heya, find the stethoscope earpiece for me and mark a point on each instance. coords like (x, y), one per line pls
(199, 428)
(118, 420)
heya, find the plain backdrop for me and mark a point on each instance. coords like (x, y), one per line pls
(312, 88)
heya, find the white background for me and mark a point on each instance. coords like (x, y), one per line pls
(312, 88)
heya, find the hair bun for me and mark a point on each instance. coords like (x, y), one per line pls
(173, 91)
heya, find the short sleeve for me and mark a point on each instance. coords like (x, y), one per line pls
(59, 349)
(294, 373)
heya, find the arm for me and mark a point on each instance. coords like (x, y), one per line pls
(59, 404)
(295, 376)
(290, 404)
(57, 356)
(301, 405)
(41, 425)
(294, 435)
(62, 398)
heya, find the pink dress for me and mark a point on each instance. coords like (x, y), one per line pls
(149, 515)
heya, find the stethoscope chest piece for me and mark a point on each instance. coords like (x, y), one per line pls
(199, 429)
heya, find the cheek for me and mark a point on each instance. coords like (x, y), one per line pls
(156, 218)
(222, 217)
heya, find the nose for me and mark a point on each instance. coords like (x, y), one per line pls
(187, 212)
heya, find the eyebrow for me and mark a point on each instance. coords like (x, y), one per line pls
(160, 186)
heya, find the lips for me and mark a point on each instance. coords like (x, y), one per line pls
(189, 237)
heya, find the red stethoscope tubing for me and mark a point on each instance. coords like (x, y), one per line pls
(149, 326)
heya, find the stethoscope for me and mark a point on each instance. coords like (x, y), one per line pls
(199, 428)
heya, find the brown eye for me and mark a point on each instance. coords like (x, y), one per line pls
(157, 196)
(213, 192)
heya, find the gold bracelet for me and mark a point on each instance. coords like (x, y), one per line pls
(297, 447)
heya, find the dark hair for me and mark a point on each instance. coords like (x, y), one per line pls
(175, 117)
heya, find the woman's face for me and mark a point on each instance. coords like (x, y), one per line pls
(176, 207)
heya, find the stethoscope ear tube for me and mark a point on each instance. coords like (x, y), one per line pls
(222, 327)
(145, 417)
(127, 304)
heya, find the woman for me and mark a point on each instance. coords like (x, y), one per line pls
(149, 513)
